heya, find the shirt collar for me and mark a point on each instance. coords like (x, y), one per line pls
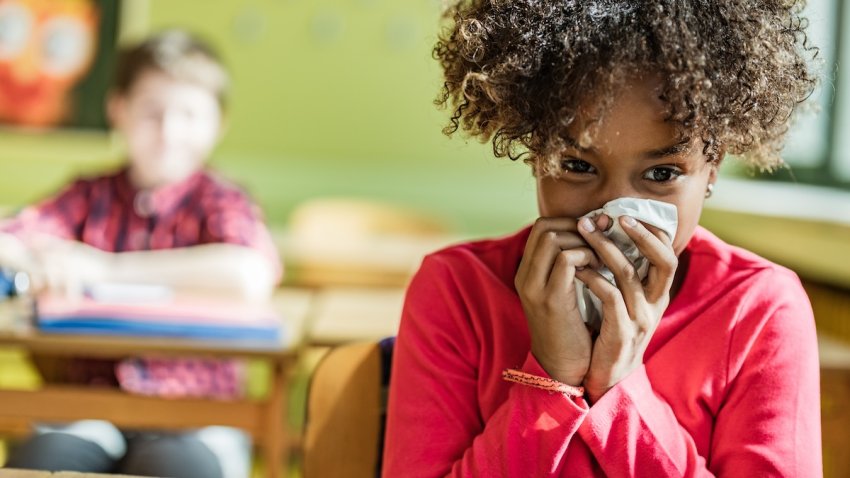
(157, 201)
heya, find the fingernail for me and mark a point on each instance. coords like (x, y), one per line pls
(587, 225)
(629, 221)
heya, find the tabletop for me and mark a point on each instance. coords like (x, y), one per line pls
(17, 329)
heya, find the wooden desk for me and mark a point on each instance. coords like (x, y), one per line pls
(384, 260)
(351, 314)
(263, 419)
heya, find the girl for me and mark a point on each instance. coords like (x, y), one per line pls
(707, 366)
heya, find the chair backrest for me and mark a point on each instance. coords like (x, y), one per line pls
(345, 411)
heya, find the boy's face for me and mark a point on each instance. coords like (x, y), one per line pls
(633, 153)
(170, 127)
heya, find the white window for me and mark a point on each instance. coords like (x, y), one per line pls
(839, 166)
(807, 144)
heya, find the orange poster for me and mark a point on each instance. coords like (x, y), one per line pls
(55, 62)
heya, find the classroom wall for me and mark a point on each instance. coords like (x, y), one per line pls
(330, 98)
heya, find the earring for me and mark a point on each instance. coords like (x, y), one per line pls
(709, 190)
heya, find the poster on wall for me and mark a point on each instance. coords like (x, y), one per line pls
(56, 63)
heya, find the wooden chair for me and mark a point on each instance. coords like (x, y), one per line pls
(345, 411)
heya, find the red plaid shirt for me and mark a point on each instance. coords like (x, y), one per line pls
(107, 212)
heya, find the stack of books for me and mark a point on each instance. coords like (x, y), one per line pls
(149, 311)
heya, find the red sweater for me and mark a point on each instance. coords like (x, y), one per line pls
(729, 385)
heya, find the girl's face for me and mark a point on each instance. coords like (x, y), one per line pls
(634, 152)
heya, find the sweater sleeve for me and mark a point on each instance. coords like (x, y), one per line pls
(633, 432)
(434, 425)
(767, 425)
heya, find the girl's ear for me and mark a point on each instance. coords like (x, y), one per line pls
(715, 166)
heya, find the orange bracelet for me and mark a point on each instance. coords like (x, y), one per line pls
(543, 383)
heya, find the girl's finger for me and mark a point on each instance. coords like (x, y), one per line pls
(548, 237)
(564, 269)
(613, 258)
(658, 250)
(613, 306)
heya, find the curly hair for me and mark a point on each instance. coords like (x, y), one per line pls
(732, 72)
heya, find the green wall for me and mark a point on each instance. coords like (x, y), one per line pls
(331, 98)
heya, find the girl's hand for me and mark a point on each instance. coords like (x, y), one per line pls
(632, 309)
(560, 340)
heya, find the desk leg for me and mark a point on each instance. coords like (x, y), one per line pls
(276, 449)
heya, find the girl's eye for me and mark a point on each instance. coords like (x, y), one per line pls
(577, 166)
(662, 174)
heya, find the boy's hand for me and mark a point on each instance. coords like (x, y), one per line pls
(15, 255)
(68, 266)
(632, 309)
(560, 341)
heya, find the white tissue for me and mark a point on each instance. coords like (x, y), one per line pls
(655, 213)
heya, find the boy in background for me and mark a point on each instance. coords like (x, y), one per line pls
(164, 219)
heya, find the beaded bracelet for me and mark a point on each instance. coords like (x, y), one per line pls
(543, 383)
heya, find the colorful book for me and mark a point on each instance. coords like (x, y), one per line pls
(177, 317)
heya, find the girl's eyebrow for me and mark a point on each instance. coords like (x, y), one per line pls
(574, 144)
(671, 150)
(659, 153)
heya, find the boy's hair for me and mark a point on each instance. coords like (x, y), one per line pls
(178, 54)
(732, 72)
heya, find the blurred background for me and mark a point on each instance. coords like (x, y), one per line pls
(330, 98)
(332, 114)
(334, 98)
